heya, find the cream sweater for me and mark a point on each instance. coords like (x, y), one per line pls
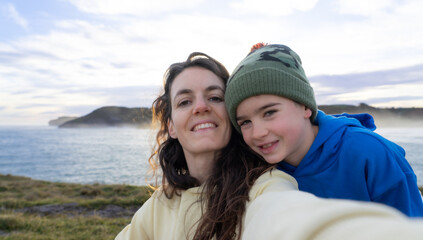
(276, 210)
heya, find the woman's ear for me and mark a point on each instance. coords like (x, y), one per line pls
(171, 129)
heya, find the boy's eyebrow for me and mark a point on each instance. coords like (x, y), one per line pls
(208, 89)
(259, 109)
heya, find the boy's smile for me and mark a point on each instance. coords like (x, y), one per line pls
(268, 147)
(276, 127)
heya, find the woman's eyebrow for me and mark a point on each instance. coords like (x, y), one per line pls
(181, 92)
(214, 87)
(188, 91)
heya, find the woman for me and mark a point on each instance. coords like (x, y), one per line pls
(207, 169)
(214, 187)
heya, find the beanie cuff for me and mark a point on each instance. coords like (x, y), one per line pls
(271, 81)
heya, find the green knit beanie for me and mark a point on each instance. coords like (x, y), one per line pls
(271, 69)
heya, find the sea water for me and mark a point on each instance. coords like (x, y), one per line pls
(90, 155)
(117, 155)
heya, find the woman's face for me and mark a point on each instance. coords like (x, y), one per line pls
(199, 119)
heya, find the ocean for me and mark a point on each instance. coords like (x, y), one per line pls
(91, 155)
(117, 155)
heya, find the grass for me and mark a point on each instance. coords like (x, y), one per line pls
(17, 193)
(23, 226)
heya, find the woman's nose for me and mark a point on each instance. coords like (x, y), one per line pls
(201, 106)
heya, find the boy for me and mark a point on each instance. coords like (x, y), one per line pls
(270, 101)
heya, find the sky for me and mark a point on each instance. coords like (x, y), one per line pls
(70, 57)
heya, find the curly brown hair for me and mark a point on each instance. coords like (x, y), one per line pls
(225, 193)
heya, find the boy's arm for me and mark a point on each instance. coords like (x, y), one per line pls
(390, 178)
(404, 196)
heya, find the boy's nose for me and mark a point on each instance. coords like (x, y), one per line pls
(259, 131)
(201, 106)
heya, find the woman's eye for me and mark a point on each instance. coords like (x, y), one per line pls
(183, 103)
(216, 99)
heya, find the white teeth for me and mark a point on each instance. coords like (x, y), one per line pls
(204, 125)
(266, 145)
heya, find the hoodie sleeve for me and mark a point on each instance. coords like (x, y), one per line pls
(292, 214)
(390, 178)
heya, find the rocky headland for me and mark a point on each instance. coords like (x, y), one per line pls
(113, 116)
(60, 120)
(384, 117)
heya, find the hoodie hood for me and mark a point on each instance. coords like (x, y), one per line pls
(327, 141)
(330, 125)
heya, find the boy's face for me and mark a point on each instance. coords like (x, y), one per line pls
(277, 128)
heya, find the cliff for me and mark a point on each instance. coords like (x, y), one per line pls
(112, 117)
(384, 117)
(141, 117)
(60, 120)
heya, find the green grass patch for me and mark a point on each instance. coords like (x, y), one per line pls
(21, 192)
(33, 227)
(17, 193)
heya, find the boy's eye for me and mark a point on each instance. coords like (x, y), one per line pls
(269, 113)
(243, 123)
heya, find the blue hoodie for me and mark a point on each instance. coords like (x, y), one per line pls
(347, 160)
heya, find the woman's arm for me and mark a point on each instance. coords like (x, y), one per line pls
(141, 226)
(291, 214)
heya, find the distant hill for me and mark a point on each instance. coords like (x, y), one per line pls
(60, 120)
(141, 117)
(112, 116)
(384, 117)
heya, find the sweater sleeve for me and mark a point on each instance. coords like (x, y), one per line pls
(141, 226)
(291, 214)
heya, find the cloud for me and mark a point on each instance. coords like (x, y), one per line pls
(382, 96)
(344, 44)
(118, 50)
(396, 87)
(128, 96)
(92, 54)
(364, 7)
(16, 17)
(348, 82)
(75, 53)
(40, 105)
(122, 7)
(273, 7)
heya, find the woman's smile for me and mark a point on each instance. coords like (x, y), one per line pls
(203, 126)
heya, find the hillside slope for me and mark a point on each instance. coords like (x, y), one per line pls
(112, 116)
